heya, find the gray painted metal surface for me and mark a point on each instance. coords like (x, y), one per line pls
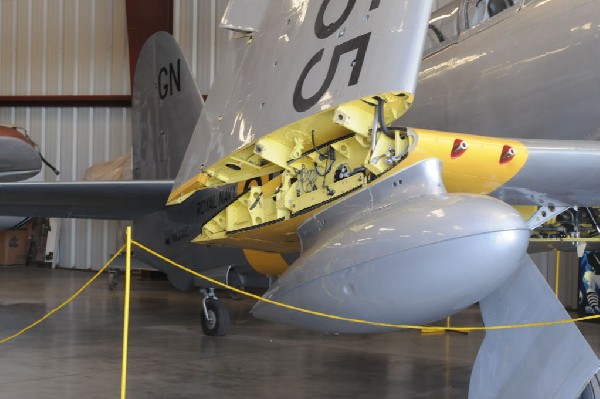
(528, 72)
(401, 251)
(254, 95)
(557, 358)
(166, 104)
(557, 173)
(245, 15)
(170, 230)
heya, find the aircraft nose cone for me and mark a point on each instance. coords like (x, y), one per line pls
(410, 263)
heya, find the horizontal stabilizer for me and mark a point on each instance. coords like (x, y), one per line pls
(117, 200)
(537, 362)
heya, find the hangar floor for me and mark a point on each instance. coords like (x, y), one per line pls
(77, 352)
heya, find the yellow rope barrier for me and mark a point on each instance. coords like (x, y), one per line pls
(352, 320)
(62, 305)
(275, 303)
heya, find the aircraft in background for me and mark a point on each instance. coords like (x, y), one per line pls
(396, 225)
(19, 160)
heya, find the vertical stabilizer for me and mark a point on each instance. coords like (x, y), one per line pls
(166, 107)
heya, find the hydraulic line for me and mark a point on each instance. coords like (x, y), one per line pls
(381, 119)
(593, 219)
(375, 128)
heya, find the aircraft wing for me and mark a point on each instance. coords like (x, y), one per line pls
(307, 58)
(557, 172)
(117, 200)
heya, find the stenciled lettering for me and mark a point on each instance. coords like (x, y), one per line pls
(374, 4)
(180, 234)
(216, 201)
(359, 44)
(206, 205)
(168, 79)
(323, 31)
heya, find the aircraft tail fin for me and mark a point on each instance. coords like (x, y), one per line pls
(535, 362)
(166, 105)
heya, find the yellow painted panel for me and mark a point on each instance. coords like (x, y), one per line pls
(478, 170)
(271, 152)
(266, 263)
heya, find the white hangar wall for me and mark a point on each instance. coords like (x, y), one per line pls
(65, 47)
(196, 29)
(69, 47)
(79, 47)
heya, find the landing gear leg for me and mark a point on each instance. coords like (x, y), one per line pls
(113, 278)
(215, 316)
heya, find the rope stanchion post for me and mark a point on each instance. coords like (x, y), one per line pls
(440, 330)
(126, 312)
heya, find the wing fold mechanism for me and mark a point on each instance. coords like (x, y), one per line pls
(296, 147)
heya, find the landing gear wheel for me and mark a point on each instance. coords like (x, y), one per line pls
(215, 322)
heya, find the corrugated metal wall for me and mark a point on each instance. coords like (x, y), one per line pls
(63, 47)
(79, 47)
(69, 47)
(195, 27)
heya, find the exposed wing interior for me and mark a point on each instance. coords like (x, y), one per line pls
(299, 66)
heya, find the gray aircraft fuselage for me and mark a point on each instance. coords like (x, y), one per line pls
(531, 71)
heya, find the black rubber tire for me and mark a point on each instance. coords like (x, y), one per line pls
(218, 323)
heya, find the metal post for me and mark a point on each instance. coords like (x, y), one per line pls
(126, 313)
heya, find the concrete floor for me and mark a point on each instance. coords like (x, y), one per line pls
(77, 352)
